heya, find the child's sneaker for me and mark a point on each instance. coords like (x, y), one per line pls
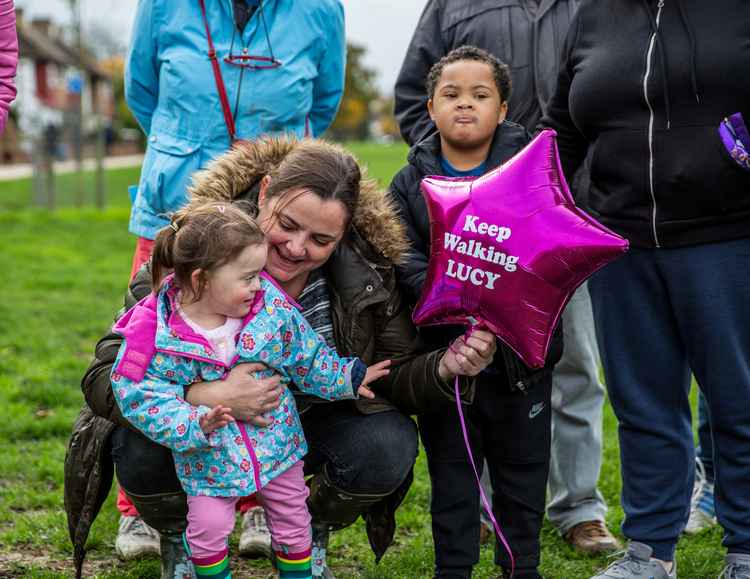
(702, 511)
(738, 567)
(637, 563)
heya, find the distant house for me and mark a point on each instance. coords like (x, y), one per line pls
(50, 82)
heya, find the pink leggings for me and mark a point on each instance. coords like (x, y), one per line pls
(284, 499)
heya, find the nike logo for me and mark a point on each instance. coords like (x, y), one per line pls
(536, 410)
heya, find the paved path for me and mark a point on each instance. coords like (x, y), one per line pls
(13, 172)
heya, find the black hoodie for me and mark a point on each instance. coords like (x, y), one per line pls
(646, 84)
(424, 159)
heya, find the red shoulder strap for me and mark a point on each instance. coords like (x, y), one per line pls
(228, 118)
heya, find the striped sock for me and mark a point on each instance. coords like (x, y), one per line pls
(214, 567)
(294, 565)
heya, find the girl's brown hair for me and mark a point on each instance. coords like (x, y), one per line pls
(203, 235)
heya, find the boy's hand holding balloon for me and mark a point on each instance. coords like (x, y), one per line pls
(468, 356)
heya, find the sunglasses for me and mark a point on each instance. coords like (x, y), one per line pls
(251, 61)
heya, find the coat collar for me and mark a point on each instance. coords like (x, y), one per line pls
(425, 155)
(237, 175)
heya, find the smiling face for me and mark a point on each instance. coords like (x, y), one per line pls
(230, 288)
(467, 106)
(302, 230)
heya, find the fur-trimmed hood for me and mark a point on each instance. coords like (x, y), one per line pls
(237, 175)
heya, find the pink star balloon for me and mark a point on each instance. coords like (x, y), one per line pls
(508, 249)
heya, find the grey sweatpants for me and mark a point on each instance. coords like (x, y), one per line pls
(577, 402)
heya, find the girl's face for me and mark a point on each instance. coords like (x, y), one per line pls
(302, 231)
(230, 289)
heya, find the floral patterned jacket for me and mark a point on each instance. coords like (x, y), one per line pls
(161, 355)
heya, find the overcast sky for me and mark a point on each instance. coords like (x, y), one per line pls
(383, 26)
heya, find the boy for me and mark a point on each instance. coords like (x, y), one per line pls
(509, 420)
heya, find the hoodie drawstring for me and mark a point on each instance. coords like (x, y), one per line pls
(663, 60)
(663, 56)
(691, 36)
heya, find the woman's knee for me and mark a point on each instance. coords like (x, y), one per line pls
(143, 467)
(388, 452)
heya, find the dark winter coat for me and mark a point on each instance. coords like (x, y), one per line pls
(646, 87)
(424, 159)
(369, 318)
(528, 40)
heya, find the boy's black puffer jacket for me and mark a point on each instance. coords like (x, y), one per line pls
(424, 159)
(646, 84)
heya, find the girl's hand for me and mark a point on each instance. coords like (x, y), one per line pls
(374, 372)
(217, 417)
(468, 356)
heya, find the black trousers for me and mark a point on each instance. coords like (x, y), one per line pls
(362, 453)
(512, 432)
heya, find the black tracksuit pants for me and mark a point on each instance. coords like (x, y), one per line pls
(511, 430)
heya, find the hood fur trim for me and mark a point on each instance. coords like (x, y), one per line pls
(237, 172)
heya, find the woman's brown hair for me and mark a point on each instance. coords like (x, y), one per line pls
(202, 235)
(327, 170)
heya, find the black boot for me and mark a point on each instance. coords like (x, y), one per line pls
(175, 561)
(167, 513)
(332, 509)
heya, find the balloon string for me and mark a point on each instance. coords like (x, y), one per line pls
(485, 502)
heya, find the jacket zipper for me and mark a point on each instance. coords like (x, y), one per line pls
(243, 431)
(251, 451)
(651, 44)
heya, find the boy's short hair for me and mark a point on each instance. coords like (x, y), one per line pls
(500, 70)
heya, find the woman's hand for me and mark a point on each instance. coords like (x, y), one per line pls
(248, 397)
(468, 356)
(374, 372)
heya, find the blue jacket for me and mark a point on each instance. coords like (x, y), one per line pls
(170, 87)
(161, 355)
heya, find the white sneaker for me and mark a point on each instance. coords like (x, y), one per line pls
(135, 539)
(702, 511)
(255, 540)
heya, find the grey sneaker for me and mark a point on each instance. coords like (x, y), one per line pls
(738, 567)
(135, 539)
(255, 540)
(702, 512)
(636, 563)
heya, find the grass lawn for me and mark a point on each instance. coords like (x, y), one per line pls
(65, 275)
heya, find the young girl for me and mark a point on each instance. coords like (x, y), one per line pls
(214, 311)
